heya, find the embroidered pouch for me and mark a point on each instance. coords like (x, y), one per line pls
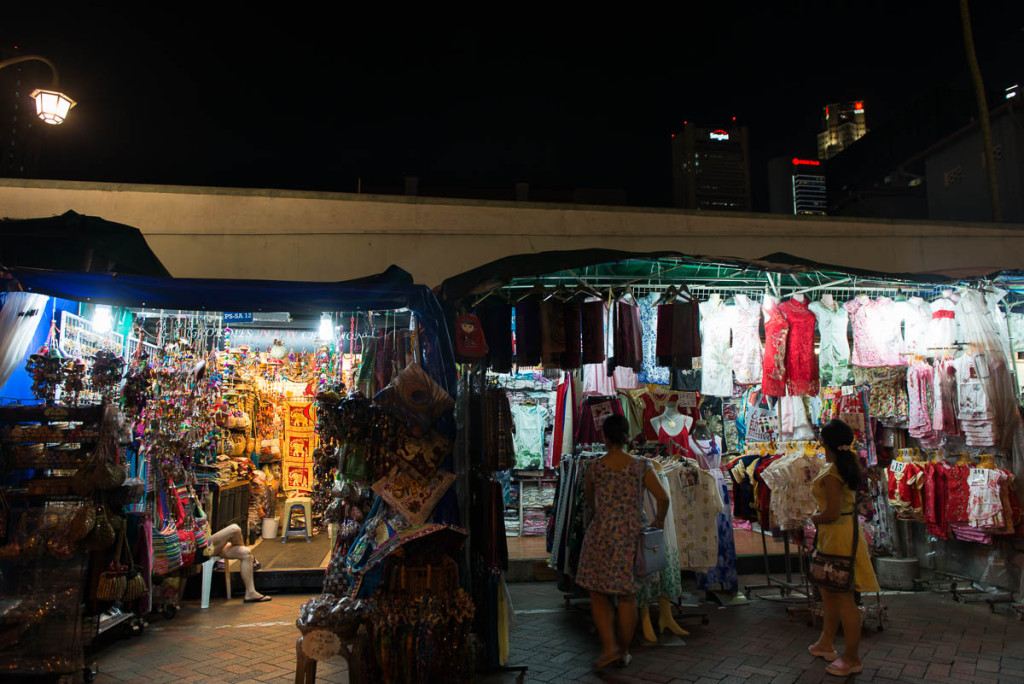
(413, 500)
(415, 398)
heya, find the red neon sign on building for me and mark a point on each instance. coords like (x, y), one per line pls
(809, 162)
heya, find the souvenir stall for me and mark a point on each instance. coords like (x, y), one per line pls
(194, 397)
(732, 367)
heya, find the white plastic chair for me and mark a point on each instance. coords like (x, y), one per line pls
(208, 579)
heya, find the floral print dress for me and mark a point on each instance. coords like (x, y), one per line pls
(716, 357)
(609, 547)
(746, 341)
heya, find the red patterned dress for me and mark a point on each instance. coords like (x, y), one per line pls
(776, 332)
(801, 363)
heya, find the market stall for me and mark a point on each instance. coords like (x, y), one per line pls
(724, 369)
(221, 430)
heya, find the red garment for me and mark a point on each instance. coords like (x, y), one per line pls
(935, 494)
(654, 404)
(677, 444)
(958, 494)
(776, 331)
(764, 493)
(627, 338)
(559, 431)
(801, 362)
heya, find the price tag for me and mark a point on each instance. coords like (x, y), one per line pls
(848, 390)
(321, 644)
(687, 400)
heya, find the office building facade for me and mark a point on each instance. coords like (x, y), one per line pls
(711, 168)
(843, 124)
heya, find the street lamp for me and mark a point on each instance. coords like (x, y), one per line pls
(52, 106)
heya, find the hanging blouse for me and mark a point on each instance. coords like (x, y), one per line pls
(678, 445)
(746, 341)
(776, 332)
(801, 363)
(916, 315)
(696, 503)
(877, 340)
(530, 421)
(529, 335)
(592, 322)
(942, 330)
(628, 341)
(834, 355)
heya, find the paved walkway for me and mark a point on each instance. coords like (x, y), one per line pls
(928, 639)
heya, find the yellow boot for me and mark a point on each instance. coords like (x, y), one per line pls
(645, 623)
(665, 619)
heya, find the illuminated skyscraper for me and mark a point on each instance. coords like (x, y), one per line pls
(843, 124)
(796, 186)
(711, 168)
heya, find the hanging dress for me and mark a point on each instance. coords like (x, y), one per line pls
(776, 333)
(678, 445)
(834, 355)
(716, 359)
(942, 331)
(668, 582)
(801, 363)
(877, 337)
(746, 341)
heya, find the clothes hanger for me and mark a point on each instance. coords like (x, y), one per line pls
(537, 289)
(668, 295)
(561, 293)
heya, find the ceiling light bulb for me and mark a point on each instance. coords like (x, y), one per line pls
(102, 319)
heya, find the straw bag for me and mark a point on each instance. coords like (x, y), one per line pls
(166, 544)
(135, 583)
(114, 580)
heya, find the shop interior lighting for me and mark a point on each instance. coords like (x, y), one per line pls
(102, 319)
(52, 106)
(326, 327)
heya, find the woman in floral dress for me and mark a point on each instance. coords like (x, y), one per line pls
(612, 490)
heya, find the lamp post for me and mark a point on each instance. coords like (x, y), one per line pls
(52, 106)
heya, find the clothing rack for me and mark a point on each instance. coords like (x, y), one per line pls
(787, 586)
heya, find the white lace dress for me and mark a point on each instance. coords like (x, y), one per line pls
(746, 341)
(716, 354)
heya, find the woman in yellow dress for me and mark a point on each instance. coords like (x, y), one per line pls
(835, 492)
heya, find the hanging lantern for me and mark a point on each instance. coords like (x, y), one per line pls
(52, 106)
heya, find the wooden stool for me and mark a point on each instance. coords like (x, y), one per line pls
(353, 650)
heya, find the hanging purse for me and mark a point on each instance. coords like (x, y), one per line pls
(762, 423)
(650, 546)
(200, 524)
(186, 533)
(831, 572)
(166, 545)
(102, 535)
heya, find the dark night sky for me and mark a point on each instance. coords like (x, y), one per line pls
(265, 98)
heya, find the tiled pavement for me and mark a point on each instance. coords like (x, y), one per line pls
(928, 639)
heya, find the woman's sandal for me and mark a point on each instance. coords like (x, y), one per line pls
(606, 660)
(625, 660)
(261, 599)
(818, 653)
(839, 668)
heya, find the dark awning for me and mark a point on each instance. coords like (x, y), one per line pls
(73, 242)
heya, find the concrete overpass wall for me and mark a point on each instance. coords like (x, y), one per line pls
(229, 233)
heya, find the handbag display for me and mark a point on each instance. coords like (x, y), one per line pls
(650, 545)
(114, 580)
(832, 572)
(186, 533)
(102, 534)
(166, 544)
(200, 524)
(762, 423)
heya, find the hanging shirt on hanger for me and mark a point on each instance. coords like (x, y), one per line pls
(834, 354)
(651, 371)
(942, 330)
(746, 341)
(530, 420)
(917, 317)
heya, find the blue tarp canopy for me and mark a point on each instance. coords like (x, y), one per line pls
(392, 289)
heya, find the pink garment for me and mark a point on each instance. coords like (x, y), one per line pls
(944, 396)
(746, 341)
(877, 338)
(921, 395)
(597, 380)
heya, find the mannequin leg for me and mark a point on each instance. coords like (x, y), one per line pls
(645, 624)
(666, 620)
